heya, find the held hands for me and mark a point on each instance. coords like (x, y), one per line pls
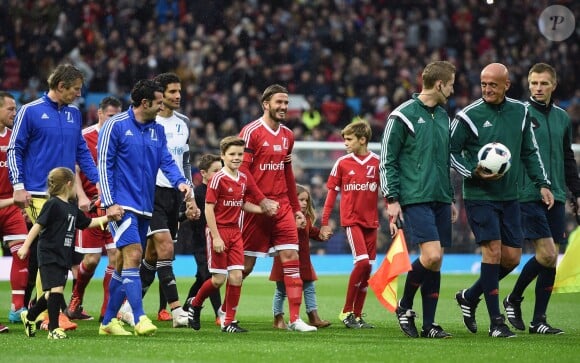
(481, 173)
(325, 233)
(115, 212)
(270, 207)
(22, 198)
(192, 212)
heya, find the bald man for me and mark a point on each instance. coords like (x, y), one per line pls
(491, 200)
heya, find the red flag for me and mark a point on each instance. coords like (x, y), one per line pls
(384, 281)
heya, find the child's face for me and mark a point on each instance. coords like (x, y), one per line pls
(233, 157)
(303, 199)
(354, 144)
(213, 168)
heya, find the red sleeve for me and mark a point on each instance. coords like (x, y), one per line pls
(291, 185)
(253, 189)
(328, 206)
(313, 232)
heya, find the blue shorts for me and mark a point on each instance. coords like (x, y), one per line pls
(490, 221)
(130, 230)
(540, 222)
(426, 222)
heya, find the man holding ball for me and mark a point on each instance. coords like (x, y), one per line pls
(491, 200)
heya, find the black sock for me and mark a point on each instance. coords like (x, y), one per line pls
(476, 290)
(490, 284)
(430, 296)
(147, 274)
(529, 272)
(544, 286)
(55, 300)
(37, 308)
(167, 282)
(414, 280)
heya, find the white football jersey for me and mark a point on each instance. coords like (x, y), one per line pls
(177, 133)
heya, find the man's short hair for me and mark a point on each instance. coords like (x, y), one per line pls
(66, 73)
(110, 101)
(437, 71)
(272, 90)
(144, 90)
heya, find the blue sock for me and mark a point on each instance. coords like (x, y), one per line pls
(132, 286)
(544, 285)
(116, 298)
(490, 284)
(413, 282)
(430, 296)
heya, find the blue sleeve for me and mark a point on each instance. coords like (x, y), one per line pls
(107, 147)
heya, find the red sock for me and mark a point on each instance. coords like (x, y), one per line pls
(354, 281)
(18, 277)
(106, 282)
(204, 291)
(233, 298)
(361, 292)
(293, 284)
(83, 278)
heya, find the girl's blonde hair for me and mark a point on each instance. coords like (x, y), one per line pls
(310, 212)
(58, 179)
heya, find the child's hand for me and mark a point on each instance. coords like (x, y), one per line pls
(393, 228)
(325, 233)
(219, 245)
(22, 252)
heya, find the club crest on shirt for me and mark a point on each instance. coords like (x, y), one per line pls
(277, 148)
(285, 143)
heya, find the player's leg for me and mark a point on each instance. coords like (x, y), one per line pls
(234, 288)
(111, 262)
(368, 248)
(18, 281)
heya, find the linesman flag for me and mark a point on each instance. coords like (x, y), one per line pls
(568, 270)
(396, 262)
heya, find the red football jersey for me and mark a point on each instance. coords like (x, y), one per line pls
(227, 193)
(357, 181)
(6, 190)
(91, 136)
(265, 155)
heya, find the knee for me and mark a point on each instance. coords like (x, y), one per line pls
(91, 260)
(432, 261)
(219, 279)
(547, 259)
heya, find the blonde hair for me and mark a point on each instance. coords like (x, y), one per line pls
(310, 212)
(359, 128)
(58, 179)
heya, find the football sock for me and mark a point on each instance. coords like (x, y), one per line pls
(414, 280)
(233, 296)
(490, 283)
(83, 279)
(18, 277)
(475, 291)
(133, 289)
(544, 286)
(106, 282)
(216, 300)
(529, 272)
(206, 289)
(37, 308)
(55, 301)
(168, 286)
(116, 298)
(354, 280)
(293, 284)
(147, 273)
(361, 291)
(430, 295)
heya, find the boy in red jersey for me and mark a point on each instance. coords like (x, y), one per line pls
(356, 176)
(225, 199)
(267, 160)
(12, 225)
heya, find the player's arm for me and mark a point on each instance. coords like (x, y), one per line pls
(30, 237)
(85, 160)
(18, 143)
(389, 166)
(82, 199)
(460, 134)
(530, 156)
(252, 208)
(218, 244)
(6, 202)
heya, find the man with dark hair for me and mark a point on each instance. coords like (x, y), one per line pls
(132, 148)
(12, 225)
(159, 251)
(267, 160)
(47, 134)
(546, 228)
(91, 241)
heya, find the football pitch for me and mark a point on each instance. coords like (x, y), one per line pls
(385, 343)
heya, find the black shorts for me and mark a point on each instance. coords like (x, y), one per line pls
(52, 275)
(165, 211)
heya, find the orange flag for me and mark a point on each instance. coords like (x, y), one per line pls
(384, 281)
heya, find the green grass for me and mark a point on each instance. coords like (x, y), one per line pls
(335, 344)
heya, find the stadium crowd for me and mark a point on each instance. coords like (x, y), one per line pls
(346, 57)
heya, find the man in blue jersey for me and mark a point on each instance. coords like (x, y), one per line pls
(48, 134)
(132, 148)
